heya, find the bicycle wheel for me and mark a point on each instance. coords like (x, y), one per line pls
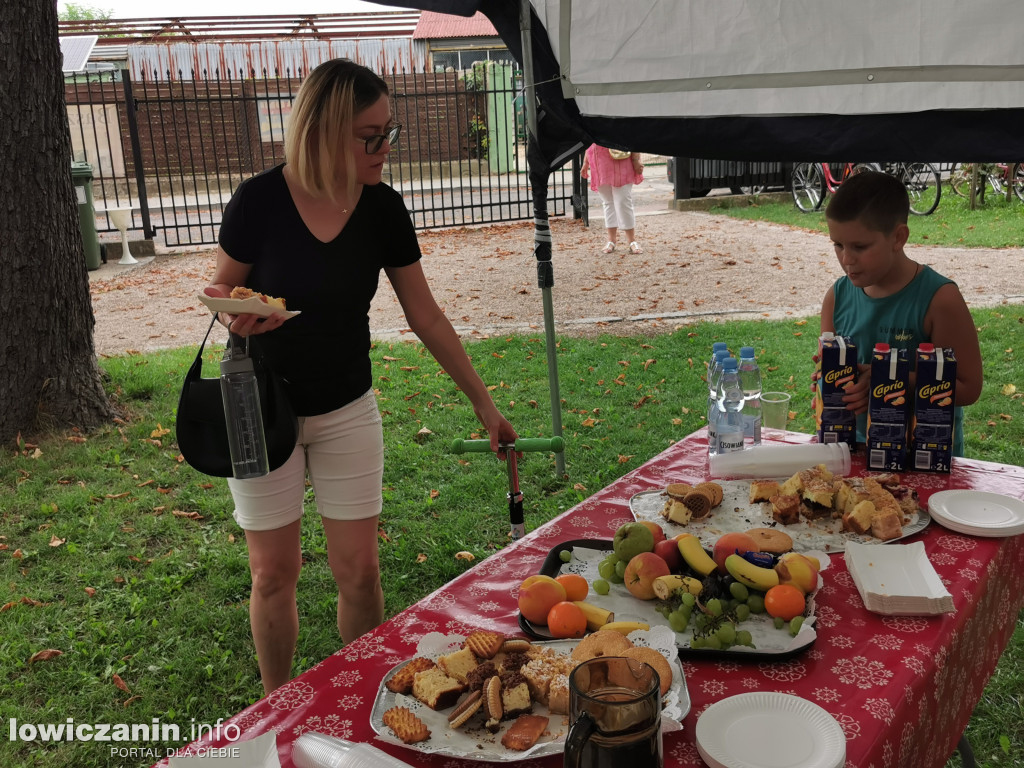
(960, 180)
(861, 167)
(923, 186)
(1018, 181)
(808, 186)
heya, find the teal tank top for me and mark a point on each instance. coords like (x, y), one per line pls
(897, 320)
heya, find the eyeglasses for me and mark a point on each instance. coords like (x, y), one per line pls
(375, 142)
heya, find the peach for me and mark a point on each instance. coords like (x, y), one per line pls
(732, 544)
(655, 529)
(668, 551)
(641, 572)
(798, 570)
(538, 594)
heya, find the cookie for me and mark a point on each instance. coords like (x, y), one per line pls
(677, 490)
(466, 708)
(717, 494)
(406, 726)
(604, 642)
(484, 644)
(402, 680)
(699, 504)
(656, 660)
(492, 703)
(516, 646)
(771, 540)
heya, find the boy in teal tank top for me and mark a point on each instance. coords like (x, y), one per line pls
(885, 296)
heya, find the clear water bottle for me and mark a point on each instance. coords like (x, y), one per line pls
(714, 373)
(750, 381)
(241, 396)
(730, 408)
(718, 346)
(317, 750)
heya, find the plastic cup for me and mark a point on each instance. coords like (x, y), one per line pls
(775, 412)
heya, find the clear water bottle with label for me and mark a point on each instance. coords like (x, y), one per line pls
(750, 381)
(241, 395)
(714, 373)
(730, 408)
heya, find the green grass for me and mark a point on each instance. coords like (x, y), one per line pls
(996, 224)
(149, 580)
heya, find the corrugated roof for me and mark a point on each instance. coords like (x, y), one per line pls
(433, 25)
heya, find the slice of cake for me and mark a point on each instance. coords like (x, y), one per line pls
(763, 490)
(458, 664)
(886, 524)
(858, 519)
(558, 695)
(515, 695)
(435, 689)
(786, 508)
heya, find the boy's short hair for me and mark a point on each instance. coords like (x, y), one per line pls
(322, 115)
(879, 201)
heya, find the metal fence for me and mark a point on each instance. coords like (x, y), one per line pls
(174, 147)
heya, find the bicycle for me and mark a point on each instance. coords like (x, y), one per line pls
(998, 176)
(812, 180)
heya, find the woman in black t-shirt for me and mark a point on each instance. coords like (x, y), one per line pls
(317, 231)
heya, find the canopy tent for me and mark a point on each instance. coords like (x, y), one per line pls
(799, 80)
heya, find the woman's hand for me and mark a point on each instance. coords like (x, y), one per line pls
(245, 324)
(499, 429)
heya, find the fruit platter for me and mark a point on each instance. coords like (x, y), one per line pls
(488, 698)
(732, 599)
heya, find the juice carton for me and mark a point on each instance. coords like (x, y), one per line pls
(837, 361)
(931, 441)
(888, 408)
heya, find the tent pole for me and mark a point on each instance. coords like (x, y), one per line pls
(541, 229)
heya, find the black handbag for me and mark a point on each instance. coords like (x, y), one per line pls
(202, 429)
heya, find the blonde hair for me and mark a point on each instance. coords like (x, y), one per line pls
(321, 119)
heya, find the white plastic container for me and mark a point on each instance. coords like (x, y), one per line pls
(781, 460)
(316, 750)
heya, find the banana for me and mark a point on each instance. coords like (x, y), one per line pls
(692, 585)
(625, 627)
(752, 575)
(597, 617)
(694, 555)
(664, 586)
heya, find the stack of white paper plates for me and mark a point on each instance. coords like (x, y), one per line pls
(978, 513)
(769, 730)
(897, 579)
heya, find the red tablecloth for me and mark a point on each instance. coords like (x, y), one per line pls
(902, 688)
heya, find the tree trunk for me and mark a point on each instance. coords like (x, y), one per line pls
(49, 377)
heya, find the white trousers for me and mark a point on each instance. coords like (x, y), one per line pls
(618, 206)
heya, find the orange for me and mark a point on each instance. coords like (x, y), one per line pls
(576, 586)
(567, 620)
(784, 601)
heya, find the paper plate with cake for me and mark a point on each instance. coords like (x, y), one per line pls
(247, 302)
(483, 697)
(813, 507)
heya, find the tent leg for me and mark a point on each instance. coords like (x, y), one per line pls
(541, 232)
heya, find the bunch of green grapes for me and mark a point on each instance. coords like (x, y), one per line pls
(716, 620)
(612, 569)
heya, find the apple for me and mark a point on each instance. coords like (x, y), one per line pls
(732, 544)
(799, 570)
(659, 534)
(631, 539)
(668, 551)
(641, 572)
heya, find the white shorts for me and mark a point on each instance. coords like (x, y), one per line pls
(343, 451)
(617, 203)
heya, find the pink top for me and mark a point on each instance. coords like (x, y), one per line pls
(605, 171)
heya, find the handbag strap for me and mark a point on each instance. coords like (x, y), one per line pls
(195, 370)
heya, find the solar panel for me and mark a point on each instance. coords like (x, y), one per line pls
(76, 50)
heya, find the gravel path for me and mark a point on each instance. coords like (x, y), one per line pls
(696, 266)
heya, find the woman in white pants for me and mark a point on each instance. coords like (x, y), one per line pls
(612, 174)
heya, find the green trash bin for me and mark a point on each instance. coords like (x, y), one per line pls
(81, 175)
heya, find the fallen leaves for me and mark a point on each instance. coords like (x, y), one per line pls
(45, 655)
(464, 555)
